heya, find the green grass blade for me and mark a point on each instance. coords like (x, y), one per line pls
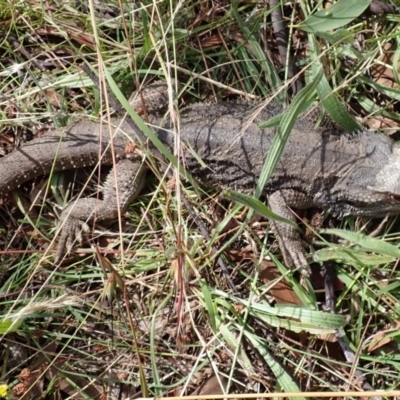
(209, 304)
(300, 104)
(268, 68)
(284, 379)
(232, 340)
(256, 205)
(8, 325)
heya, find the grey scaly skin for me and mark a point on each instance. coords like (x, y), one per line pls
(346, 175)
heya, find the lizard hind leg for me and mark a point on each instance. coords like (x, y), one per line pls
(288, 237)
(122, 186)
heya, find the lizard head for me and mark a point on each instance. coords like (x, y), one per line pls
(383, 192)
(388, 178)
(371, 186)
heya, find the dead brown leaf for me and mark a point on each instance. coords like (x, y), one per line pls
(212, 385)
(382, 340)
(281, 290)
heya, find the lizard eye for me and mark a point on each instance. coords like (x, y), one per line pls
(394, 197)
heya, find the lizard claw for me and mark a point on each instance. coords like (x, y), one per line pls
(294, 256)
(71, 232)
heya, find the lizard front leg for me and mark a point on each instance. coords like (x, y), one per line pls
(288, 237)
(130, 176)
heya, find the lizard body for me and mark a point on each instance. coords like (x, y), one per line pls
(347, 175)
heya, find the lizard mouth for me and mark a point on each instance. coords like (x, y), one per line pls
(389, 194)
(376, 209)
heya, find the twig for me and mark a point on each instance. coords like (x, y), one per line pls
(282, 42)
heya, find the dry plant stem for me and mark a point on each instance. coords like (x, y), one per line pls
(378, 230)
(352, 359)
(18, 47)
(146, 217)
(339, 395)
(347, 352)
(115, 104)
(282, 42)
(329, 275)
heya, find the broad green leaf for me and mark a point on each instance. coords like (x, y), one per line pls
(291, 324)
(334, 17)
(232, 340)
(147, 45)
(228, 306)
(283, 377)
(9, 325)
(366, 242)
(351, 257)
(350, 52)
(256, 205)
(312, 317)
(338, 36)
(333, 106)
(309, 320)
(390, 92)
(373, 108)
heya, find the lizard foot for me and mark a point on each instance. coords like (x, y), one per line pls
(293, 254)
(71, 232)
(75, 217)
(287, 236)
(73, 222)
(291, 247)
